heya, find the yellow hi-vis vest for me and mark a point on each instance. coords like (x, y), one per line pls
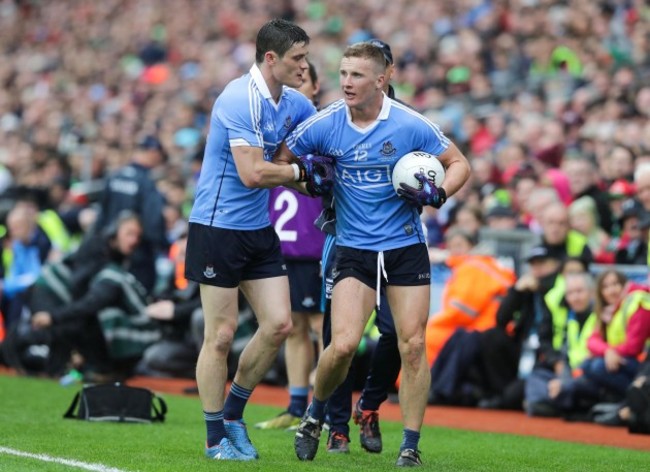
(576, 339)
(50, 222)
(575, 243)
(617, 328)
(559, 311)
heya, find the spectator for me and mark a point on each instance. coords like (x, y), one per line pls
(583, 218)
(559, 181)
(510, 351)
(550, 388)
(620, 192)
(634, 411)
(470, 219)
(132, 188)
(632, 245)
(539, 199)
(621, 161)
(557, 236)
(464, 307)
(106, 321)
(24, 251)
(181, 321)
(501, 218)
(642, 185)
(622, 329)
(584, 180)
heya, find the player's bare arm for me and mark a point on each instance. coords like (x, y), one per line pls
(255, 172)
(284, 155)
(457, 169)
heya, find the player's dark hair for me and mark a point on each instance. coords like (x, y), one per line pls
(313, 75)
(279, 36)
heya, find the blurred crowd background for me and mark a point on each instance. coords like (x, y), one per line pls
(514, 83)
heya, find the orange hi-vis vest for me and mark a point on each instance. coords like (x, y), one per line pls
(180, 282)
(471, 299)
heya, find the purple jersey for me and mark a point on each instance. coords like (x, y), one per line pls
(293, 214)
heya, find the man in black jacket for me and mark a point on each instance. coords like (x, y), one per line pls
(522, 328)
(132, 188)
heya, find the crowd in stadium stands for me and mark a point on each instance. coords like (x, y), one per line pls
(549, 100)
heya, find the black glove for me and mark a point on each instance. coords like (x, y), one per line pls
(429, 194)
(317, 172)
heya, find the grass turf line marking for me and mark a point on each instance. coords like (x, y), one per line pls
(60, 460)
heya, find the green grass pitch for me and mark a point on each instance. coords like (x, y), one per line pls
(31, 422)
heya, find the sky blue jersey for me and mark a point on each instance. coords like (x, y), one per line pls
(244, 114)
(369, 214)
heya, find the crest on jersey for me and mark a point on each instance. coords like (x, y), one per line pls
(388, 149)
(287, 123)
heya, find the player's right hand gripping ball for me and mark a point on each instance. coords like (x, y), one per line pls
(317, 172)
(429, 194)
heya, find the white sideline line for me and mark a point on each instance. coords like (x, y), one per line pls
(60, 460)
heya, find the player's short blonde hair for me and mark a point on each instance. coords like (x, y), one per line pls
(369, 51)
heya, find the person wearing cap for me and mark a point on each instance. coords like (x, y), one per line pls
(632, 245)
(132, 188)
(501, 217)
(380, 241)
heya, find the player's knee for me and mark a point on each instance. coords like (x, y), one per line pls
(220, 341)
(343, 351)
(412, 350)
(299, 329)
(278, 331)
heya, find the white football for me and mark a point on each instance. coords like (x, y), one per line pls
(414, 162)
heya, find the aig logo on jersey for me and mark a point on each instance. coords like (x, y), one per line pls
(378, 176)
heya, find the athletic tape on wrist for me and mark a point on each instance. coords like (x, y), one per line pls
(296, 172)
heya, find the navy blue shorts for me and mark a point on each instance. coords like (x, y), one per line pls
(406, 266)
(304, 285)
(225, 257)
(384, 319)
